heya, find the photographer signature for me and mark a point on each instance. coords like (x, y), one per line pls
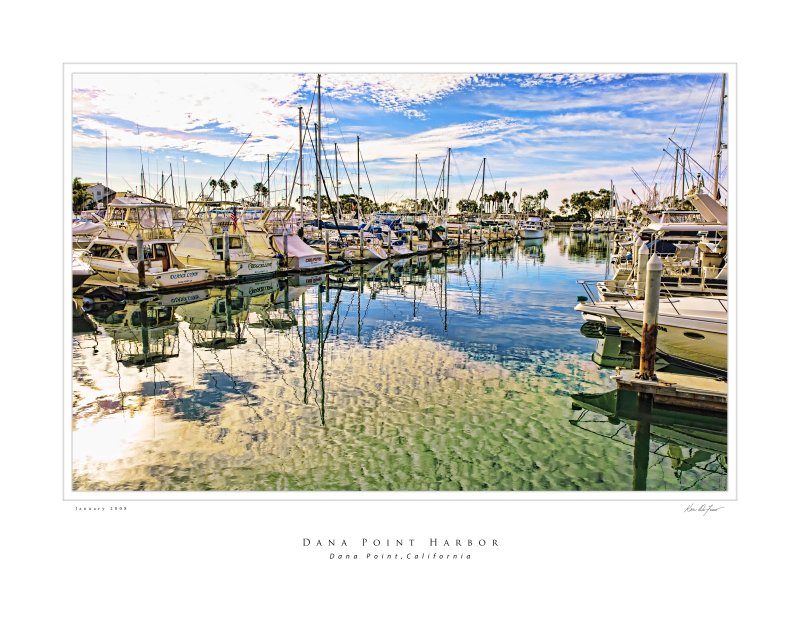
(705, 509)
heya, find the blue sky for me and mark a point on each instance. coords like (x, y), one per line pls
(561, 132)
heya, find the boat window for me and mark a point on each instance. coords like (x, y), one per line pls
(234, 242)
(118, 214)
(148, 252)
(105, 251)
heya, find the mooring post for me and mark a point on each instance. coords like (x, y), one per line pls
(327, 245)
(641, 270)
(647, 355)
(285, 248)
(140, 258)
(226, 251)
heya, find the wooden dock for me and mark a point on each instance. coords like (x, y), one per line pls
(695, 392)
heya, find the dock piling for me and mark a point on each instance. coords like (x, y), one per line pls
(641, 270)
(647, 362)
(140, 258)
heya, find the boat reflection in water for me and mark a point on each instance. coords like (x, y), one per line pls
(144, 333)
(430, 373)
(695, 443)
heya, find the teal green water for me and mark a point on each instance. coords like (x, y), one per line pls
(433, 374)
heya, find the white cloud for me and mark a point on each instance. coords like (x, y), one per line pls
(571, 79)
(396, 92)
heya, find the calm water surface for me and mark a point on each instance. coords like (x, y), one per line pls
(433, 374)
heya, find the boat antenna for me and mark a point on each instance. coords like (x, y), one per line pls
(236, 155)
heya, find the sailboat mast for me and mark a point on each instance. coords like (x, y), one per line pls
(336, 186)
(483, 183)
(358, 178)
(447, 197)
(718, 154)
(675, 178)
(416, 165)
(106, 189)
(301, 166)
(268, 181)
(319, 150)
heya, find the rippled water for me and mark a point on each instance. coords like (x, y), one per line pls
(435, 374)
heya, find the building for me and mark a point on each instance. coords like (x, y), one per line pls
(100, 193)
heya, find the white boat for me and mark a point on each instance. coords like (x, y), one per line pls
(81, 271)
(693, 329)
(85, 229)
(364, 247)
(113, 254)
(577, 228)
(201, 243)
(274, 232)
(531, 228)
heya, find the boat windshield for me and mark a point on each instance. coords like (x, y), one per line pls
(151, 218)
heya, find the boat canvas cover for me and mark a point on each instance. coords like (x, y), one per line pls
(295, 247)
(86, 227)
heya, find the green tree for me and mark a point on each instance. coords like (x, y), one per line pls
(466, 206)
(213, 184)
(81, 198)
(234, 184)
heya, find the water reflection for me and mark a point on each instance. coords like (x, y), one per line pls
(428, 373)
(693, 443)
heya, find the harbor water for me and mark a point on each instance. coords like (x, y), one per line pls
(433, 373)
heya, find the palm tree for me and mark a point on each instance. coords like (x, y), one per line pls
(514, 195)
(224, 187)
(213, 184)
(544, 194)
(258, 190)
(234, 184)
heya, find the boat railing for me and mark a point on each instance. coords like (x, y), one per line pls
(666, 294)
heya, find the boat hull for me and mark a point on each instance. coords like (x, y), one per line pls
(700, 341)
(110, 274)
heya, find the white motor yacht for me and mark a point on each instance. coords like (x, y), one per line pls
(693, 329)
(114, 254)
(201, 243)
(531, 228)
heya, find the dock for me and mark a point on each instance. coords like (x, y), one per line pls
(696, 392)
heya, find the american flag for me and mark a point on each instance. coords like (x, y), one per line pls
(234, 218)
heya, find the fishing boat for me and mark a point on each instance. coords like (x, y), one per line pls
(694, 256)
(202, 239)
(531, 228)
(134, 223)
(692, 329)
